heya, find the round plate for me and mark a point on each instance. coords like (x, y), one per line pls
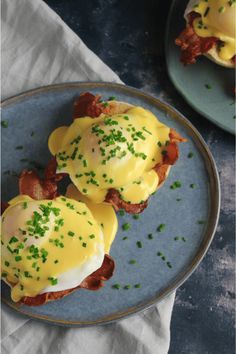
(215, 103)
(190, 214)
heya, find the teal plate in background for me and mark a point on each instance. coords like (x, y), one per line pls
(216, 104)
(190, 214)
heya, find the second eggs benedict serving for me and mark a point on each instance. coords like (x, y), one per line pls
(114, 152)
(52, 247)
(210, 31)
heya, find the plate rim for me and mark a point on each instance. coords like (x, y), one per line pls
(175, 82)
(214, 185)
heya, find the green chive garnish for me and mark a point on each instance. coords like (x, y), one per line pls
(128, 286)
(126, 227)
(208, 87)
(136, 216)
(4, 124)
(116, 286)
(121, 212)
(132, 261)
(139, 244)
(190, 154)
(137, 286)
(161, 227)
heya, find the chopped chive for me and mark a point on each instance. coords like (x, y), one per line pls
(132, 261)
(137, 286)
(92, 236)
(84, 244)
(112, 98)
(161, 227)
(207, 11)
(178, 199)
(150, 237)
(4, 124)
(84, 190)
(201, 222)
(70, 233)
(136, 216)
(54, 281)
(126, 227)
(4, 274)
(19, 147)
(7, 263)
(125, 238)
(121, 212)
(175, 184)
(116, 286)
(192, 185)
(13, 240)
(128, 286)
(208, 87)
(169, 265)
(190, 154)
(221, 9)
(139, 244)
(56, 261)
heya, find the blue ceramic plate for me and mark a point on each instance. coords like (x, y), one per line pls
(190, 214)
(216, 103)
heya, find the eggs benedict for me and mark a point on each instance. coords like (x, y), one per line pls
(50, 247)
(210, 31)
(114, 152)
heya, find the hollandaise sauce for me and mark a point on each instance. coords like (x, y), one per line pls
(217, 20)
(117, 151)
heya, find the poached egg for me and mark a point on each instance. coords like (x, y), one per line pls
(53, 245)
(117, 151)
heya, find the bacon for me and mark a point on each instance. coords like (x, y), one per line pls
(113, 197)
(87, 105)
(31, 185)
(4, 206)
(176, 137)
(50, 172)
(162, 171)
(92, 282)
(191, 44)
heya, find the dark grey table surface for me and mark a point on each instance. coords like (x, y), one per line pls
(129, 37)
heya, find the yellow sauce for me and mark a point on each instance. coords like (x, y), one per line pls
(217, 20)
(103, 213)
(117, 152)
(32, 259)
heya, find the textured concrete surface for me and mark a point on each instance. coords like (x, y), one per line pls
(129, 36)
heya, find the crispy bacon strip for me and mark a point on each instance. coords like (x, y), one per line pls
(161, 170)
(31, 185)
(191, 44)
(4, 206)
(87, 105)
(50, 172)
(92, 282)
(113, 197)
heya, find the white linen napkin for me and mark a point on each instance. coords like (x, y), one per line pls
(39, 49)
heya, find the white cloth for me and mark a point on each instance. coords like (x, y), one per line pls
(39, 49)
